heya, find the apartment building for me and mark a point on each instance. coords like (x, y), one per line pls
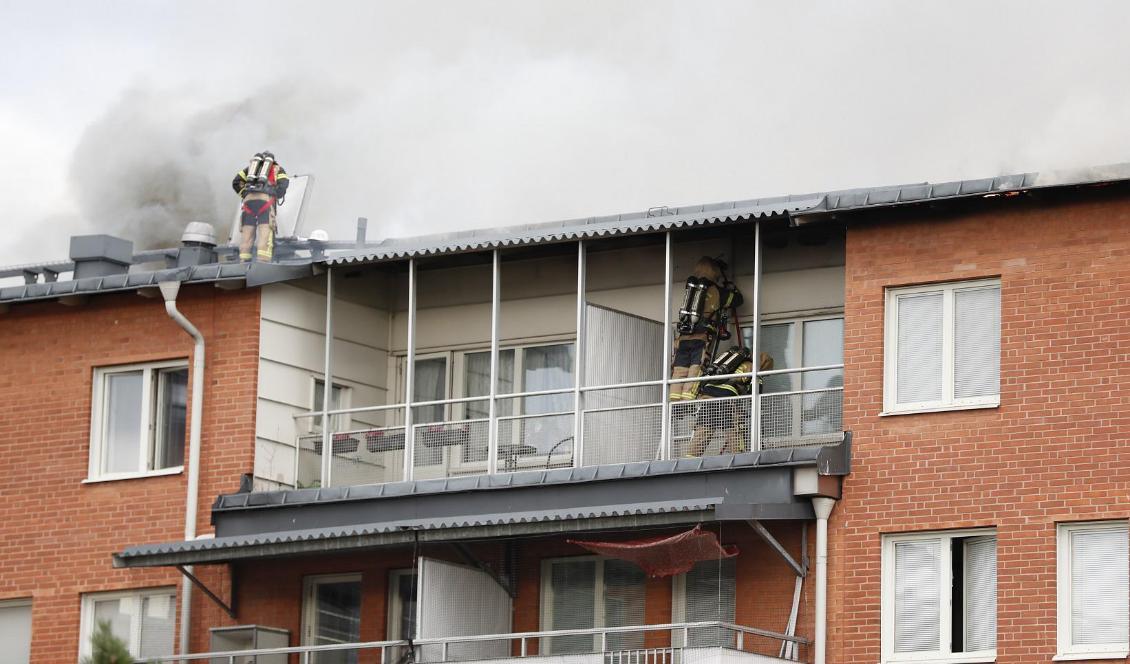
(458, 448)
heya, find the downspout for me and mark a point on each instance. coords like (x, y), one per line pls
(823, 508)
(169, 290)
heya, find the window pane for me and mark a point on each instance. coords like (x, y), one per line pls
(15, 633)
(406, 597)
(157, 625)
(917, 596)
(547, 368)
(572, 590)
(977, 342)
(623, 602)
(339, 422)
(823, 344)
(172, 393)
(710, 596)
(1099, 589)
(476, 382)
(117, 612)
(980, 594)
(122, 410)
(777, 341)
(919, 363)
(337, 619)
(430, 385)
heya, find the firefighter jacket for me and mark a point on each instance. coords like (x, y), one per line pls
(277, 182)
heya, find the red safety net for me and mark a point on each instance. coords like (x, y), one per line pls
(665, 555)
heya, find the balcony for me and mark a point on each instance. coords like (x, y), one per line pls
(709, 642)
(541, 357)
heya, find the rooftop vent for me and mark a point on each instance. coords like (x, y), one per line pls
(100, 255)
(198, 244)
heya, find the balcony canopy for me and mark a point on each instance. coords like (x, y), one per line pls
(760, 485)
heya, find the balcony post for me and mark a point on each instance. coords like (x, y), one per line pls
(495, 299)
(327, 385)
(755, 343)
(410, 373)
(579, 361)
(665, 451)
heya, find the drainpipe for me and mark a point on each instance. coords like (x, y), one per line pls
(823, 508)
(169, 290)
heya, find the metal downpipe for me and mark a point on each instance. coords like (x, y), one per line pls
(823, 508)
(169, 290)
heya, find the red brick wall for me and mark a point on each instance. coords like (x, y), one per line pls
(56, 533)
(1055, 450)
(270, 592)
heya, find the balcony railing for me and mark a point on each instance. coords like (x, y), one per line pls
(711, 642)
(609, 424)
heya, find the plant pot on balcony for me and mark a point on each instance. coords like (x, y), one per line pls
(342, 444)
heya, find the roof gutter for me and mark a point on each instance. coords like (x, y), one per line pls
(169, 290)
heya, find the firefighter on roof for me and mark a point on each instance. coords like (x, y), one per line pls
(262, 185)
(707, 303)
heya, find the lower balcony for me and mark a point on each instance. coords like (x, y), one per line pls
(712, 642)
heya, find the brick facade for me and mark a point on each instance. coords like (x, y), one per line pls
(1053, 451)
(57, 533)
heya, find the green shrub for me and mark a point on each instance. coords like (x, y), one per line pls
(107, 648)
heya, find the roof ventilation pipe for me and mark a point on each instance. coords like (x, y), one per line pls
(169, 290)
(197, 245)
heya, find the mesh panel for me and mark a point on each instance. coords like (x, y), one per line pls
(711, 426)
(622, 435)
(809, 418)
(309, 461)
(535, 442)
(450, 449)
(371, 456)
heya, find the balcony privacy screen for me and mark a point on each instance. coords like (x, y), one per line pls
(665, 555)
(457, 600)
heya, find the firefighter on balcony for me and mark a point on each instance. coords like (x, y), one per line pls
(262, 185)
(707, 303)
(721, 411)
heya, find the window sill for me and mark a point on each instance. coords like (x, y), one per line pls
(1079, 656)
(940, 409)
(176, 470)
(952, 659)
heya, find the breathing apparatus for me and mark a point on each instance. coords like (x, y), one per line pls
(260, 172)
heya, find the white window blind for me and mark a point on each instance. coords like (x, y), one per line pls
(917, 596)
(15, 631)
(977, 342)
(709, 595)
(1099, 589)
(585, 593)
(920, 348)
(980, 593)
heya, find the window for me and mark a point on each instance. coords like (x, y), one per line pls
(587, 592)
(1093, 590)
(339, 399)
(332, 614)
(943, 347)
(706, 594)
(138, 419)
(142, 619)
(15, 630)
(401, 605)
(940, 596)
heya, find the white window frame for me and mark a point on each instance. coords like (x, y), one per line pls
(796, 336)
(944, 612)
(890, 357)
(1065, 650)
(150, 424)
(310, 607)
(87, 623)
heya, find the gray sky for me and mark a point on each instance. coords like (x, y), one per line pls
(131, 117)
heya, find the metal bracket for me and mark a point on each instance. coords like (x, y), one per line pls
(776, 546)
(204, 589)
(473, 560)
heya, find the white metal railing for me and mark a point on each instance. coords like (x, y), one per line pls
(617, 423)
(615, 645)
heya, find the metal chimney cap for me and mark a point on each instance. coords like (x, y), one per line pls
(199, 233)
